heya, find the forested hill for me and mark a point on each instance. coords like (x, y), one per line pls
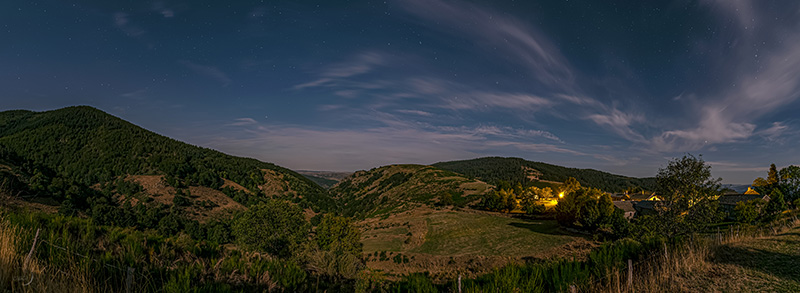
(87, 146)
(390, 189)
(495, 170)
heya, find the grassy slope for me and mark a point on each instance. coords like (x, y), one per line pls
(390, 189)
(514, 170)
(444, 241)
(454, 233)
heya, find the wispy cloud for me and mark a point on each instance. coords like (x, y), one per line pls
(759, 76)
(726, 166)
(243, 122)
(162, 9)
(620, 123)
(774, 131)
(484, 100)
(359, 64)
(207, 71)
(123, 23)
(415, 112)
(495, 30)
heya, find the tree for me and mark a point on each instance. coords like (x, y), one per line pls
(775, 205)
(760, 182)
(790, 183)
(571, 185)
(338, 235)
(277, 227)
(772, 176)
(446, 199)
(686, 182)
(689, 199)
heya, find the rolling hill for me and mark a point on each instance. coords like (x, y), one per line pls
(401, 187)
(496, 170)
(81, 147)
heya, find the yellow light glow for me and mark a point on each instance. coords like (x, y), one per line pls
(561, 195)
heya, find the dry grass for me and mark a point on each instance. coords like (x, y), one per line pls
(763, 260)
(19, 275)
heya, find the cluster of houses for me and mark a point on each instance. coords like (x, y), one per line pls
(642, 203)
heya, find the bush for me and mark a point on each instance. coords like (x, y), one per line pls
(338, 235)
(747, 212)
(181, 201)
(277, 227)
(535, 209)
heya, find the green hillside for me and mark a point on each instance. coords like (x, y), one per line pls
(83, 146)
(496, 170)
(391, 188)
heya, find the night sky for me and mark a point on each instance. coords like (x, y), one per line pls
(619, 86)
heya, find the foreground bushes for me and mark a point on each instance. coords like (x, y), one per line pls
(97, 257)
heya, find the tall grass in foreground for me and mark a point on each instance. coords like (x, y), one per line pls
(667, 270)
(19, 275)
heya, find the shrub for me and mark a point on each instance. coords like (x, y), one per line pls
(277, 227)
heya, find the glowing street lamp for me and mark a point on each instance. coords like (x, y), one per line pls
(561, 195)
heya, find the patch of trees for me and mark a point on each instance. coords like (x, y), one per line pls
(592, 210)
(494, 170)
(527, 199)
(786, 182)
(332, 251)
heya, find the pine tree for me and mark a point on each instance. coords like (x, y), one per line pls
(772, 177)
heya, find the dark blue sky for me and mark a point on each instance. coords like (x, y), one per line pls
(620, 86)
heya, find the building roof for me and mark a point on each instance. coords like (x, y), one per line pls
(625, 206)
(733, 199)
(646, 204)
(643, 196)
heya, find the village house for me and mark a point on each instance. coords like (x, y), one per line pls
(645, 207)
(627, 207)
(728, 202)
(644, 196)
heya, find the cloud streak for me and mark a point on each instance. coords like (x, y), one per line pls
(359, 64)
(761, 76)
(497, 30)
(208, 71)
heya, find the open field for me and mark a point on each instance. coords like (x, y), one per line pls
(460, 233)
(443, 242)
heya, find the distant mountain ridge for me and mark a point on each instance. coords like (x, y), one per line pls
(495, 170)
